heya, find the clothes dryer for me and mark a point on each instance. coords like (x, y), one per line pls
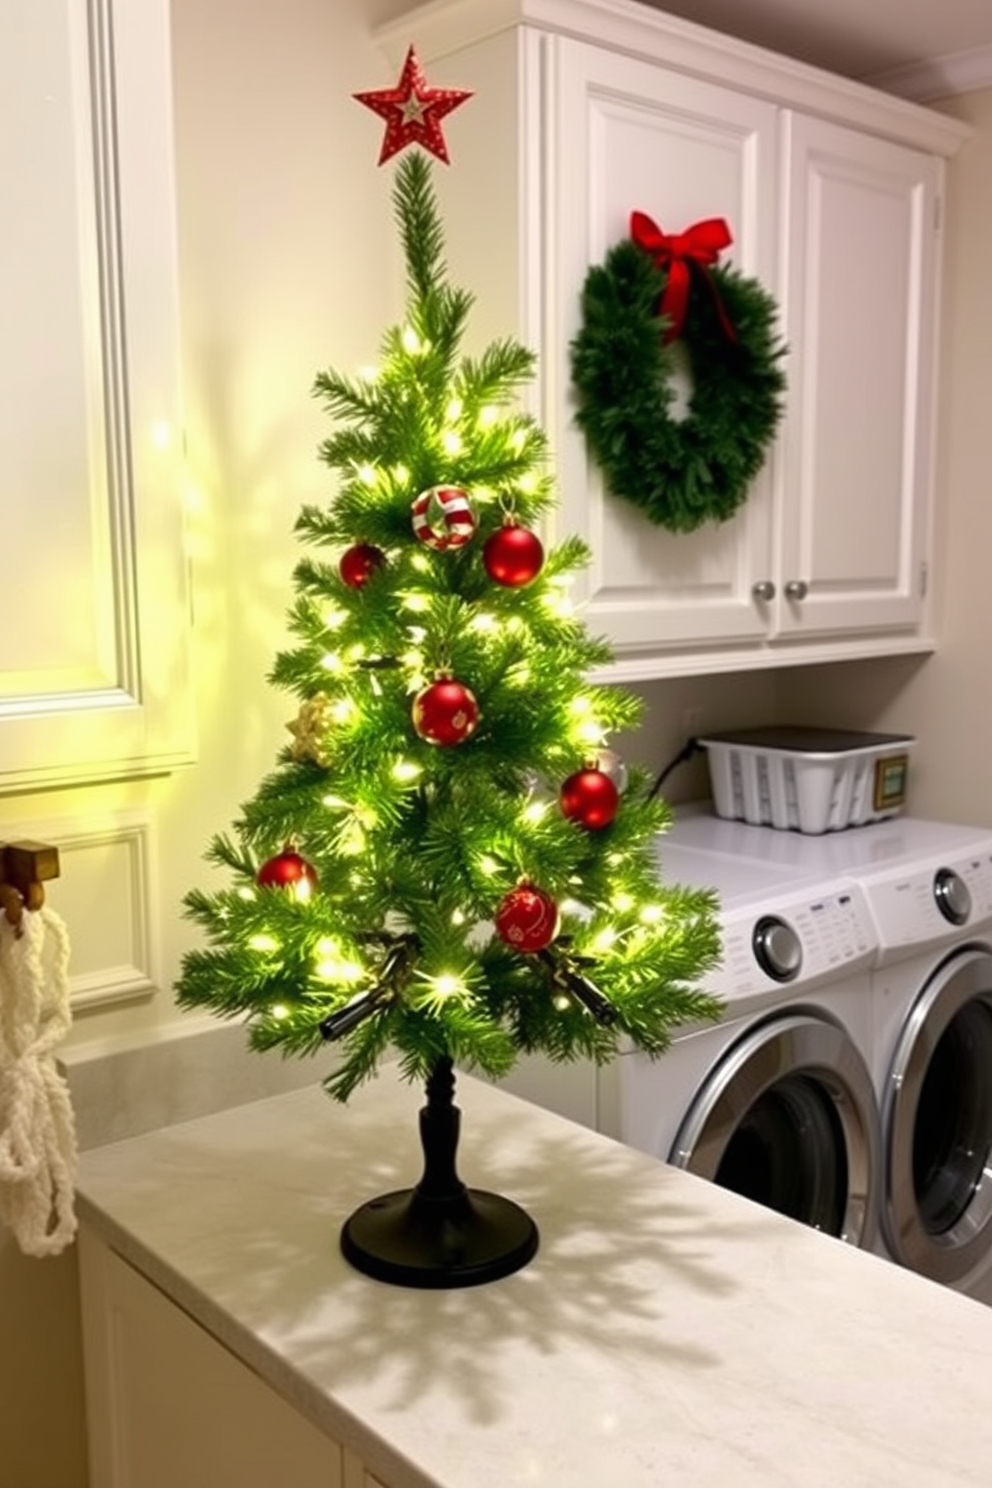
(929, 888)
(776, 1100)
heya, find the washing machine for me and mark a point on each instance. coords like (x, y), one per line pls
(775, 1101)
(929, 890)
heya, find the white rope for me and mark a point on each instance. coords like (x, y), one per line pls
(37, 1129)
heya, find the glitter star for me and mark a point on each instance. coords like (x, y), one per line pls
(413, 111)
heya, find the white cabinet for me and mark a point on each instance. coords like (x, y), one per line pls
(861, 238)
(585, 112)
(94, 655)
(168, 1404)
(628, 134)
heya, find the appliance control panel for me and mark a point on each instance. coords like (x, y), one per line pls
(933, 905)
(801, 940)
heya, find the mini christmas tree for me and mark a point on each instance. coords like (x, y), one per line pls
(446, 864)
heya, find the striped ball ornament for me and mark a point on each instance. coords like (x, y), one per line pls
(443, 518)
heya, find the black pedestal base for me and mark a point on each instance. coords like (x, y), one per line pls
(439, 1234)
(458, 1240)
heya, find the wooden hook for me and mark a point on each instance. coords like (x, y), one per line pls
(25, 867)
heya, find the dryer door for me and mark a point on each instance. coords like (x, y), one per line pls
(937, 1119)
(788, 1119)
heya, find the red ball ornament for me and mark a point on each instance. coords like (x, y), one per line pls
(590, 798)
(359, 563)
(288, 870)
(445, 713)
(527, 918)
(443, 518)
(513, 556)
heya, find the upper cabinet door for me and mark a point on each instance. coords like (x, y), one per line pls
(626, 134)
(861, 248)
(94, 651)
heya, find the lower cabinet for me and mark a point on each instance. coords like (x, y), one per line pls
(168, 1406)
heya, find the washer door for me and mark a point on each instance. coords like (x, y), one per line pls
(937, 1120)
(788, 1119)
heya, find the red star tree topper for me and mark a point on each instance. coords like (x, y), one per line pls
(413, 111)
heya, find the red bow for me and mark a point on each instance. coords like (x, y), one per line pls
(699, 245)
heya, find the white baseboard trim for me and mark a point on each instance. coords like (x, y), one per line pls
(122, 1092)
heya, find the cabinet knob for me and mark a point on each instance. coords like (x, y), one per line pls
(764, 590)
(796, 589)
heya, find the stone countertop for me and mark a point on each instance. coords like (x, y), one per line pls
(666, 1332)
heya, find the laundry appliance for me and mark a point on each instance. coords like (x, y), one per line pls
(929, 890)
(775, 1101)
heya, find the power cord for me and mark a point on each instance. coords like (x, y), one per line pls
(690, 748)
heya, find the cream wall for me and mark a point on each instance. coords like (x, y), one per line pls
(288, 263)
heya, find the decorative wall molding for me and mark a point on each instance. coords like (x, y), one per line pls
(938, 77)
(95, 682)
(107, 893)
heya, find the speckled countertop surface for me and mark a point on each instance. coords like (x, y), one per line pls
(667, 1331)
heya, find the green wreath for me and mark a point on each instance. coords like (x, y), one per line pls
(679, 472)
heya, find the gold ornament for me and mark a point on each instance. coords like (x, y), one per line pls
(309, 730)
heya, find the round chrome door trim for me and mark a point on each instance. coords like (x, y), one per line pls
(790, 1044)
(948, 1256)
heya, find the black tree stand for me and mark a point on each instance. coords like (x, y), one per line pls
(439, 1234)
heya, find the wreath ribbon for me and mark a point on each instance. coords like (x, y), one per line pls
(676, 253)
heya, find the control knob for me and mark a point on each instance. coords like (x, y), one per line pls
(777, 948)
(952, 895)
